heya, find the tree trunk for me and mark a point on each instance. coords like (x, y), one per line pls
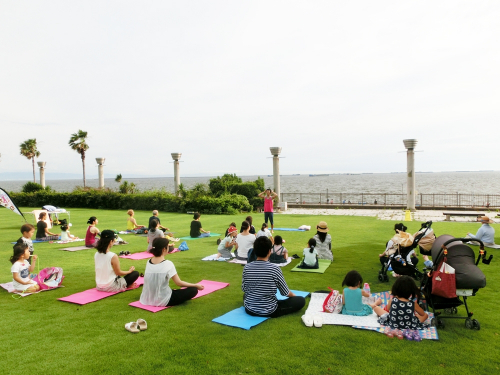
(83, 164)
(33, 162)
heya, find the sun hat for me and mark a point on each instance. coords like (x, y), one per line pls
(231, 229)
(485, 220)
(108, 234)
(322, 227)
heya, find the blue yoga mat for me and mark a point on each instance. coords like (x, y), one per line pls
(297, 293)
(290, 229)
(199, 238)
(36, 241)
(239, 318)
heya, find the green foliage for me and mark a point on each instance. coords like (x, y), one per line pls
(128, 188)
(31, 187)
(118, 178)
(225, 204)
(250, 190)
(222, 185)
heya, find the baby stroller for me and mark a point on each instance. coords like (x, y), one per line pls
(401, 261)
(469, 278)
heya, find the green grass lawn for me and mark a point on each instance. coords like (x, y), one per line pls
(40, 334)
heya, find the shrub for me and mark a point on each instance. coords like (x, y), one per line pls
(30, 187)
(222, 185)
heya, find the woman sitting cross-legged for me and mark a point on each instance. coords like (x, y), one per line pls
(107, 266)
(159, 271)
(261, 280)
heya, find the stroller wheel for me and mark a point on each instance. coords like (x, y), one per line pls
(454, 310)
(380, 276)
(468, 323)
(448, 311)
(386, 278)
(476, 325)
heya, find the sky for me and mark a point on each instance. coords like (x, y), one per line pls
(338, 85)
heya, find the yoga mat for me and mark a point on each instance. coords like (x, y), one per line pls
(210, 287)
(77, 248)
(9, 287)
(298, 293)
(237, 261)
(36, 241)
(291, 229)
(93, 294)
(143, 255)
(239, 318)
(78, 240)
(491, 246)
(214, 257)
(198, 238)
(322, 263)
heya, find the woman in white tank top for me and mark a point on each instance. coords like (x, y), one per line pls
(107, 267)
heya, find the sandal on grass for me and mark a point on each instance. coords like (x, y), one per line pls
(142, 324)
(132, 327)
(308, 320)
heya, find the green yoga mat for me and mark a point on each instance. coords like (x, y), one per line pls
(199, 238)
(322, 263)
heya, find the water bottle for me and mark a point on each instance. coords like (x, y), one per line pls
(366, 288)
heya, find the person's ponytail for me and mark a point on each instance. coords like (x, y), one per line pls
(311, 248)
(312, 244)
(264, 226)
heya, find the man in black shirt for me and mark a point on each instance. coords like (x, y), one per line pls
(155, 217)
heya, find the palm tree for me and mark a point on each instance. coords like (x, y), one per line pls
(77, 143)
(28, 149)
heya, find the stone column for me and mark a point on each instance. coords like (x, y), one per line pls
(100, 169)
(276, 151)
(41, 164)
(410, 170)
(177, 178)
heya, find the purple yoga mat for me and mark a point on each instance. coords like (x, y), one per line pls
(143, 255)
(210, 287)
(93, 294)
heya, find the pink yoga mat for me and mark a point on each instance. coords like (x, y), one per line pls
(93, 294)
(210, 287)
(143, 255)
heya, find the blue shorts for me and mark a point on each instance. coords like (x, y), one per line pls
(269, 216)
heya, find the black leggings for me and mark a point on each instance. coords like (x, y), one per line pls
(131, 277)
(182, 295)
(286, 306)
(269, 216)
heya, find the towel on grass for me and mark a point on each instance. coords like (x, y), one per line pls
(237, 261)
(9, 287)
(239, 318)
(323, 264)
(210, 287)
(290, 229)
(77, 248)
(214, 257)
(143, 255)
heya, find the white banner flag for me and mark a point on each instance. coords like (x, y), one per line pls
(7, 202)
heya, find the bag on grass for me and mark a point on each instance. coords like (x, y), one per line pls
(333, 302)
(443, 281)
(183, 246)
(50, 277)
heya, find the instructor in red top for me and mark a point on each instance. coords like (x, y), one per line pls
(268, 196)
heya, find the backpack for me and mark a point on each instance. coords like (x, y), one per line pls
(251, 256)
(333, 302)
(183, 246)
(49, 278)
(275, 258)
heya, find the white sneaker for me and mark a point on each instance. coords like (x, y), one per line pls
(308, 320)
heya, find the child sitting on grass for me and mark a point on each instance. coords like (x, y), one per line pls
(402, 309)
(226, 245)
(21, 269)
(65, 234)
(27, 231)
(352, 296)
(310, 254)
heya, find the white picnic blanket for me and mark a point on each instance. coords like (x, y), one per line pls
(316, 308)
(214, 257)
(78, 240)
(237, 261)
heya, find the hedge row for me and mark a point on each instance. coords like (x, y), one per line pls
(163, 201)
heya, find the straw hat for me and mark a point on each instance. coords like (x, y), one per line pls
(322, 227)
(485, 220)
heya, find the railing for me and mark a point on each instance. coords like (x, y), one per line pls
(383, 199)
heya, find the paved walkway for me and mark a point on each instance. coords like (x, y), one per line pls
(388, 214)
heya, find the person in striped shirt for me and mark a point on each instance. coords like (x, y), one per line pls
(261, 280)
